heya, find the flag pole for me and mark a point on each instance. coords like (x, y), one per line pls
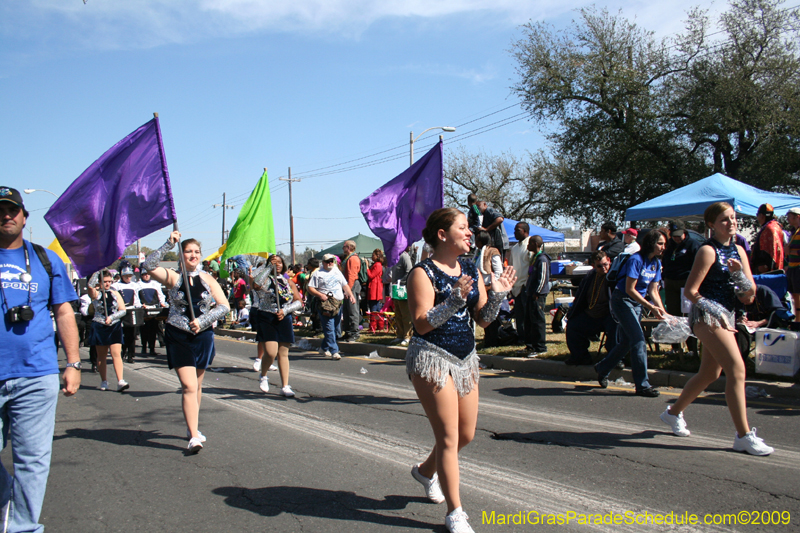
(103, 291)
(175, 220)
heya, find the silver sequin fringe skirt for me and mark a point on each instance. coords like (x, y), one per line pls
(434, 364)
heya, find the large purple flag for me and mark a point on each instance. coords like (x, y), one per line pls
(123, 196)
(396, 212)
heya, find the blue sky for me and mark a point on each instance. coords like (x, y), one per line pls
(240, 85)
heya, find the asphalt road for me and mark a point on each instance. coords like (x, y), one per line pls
(337, 457)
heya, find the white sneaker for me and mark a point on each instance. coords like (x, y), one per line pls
(257, 365)
(324, 353)
(104, 385)
(751, 444)
(336, 356)
(456, 522)
(404, 342)
(432, 488)
(263, 383)
(272, 368)
(287, 391)
(122, 385)
(676, 422)
(199, 435)
(195, 445)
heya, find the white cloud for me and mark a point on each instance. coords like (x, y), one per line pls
(148, 23)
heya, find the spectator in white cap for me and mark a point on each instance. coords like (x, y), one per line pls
(629, 237)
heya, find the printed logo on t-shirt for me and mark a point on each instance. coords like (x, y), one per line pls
(11, 280)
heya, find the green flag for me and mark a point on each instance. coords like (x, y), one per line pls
(253, 231)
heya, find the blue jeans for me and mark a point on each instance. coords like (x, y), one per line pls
(330, 325)
(28, 416)
(629, 337)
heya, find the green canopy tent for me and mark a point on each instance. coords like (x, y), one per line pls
(364, 247)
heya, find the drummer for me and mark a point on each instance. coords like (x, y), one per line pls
(152, 298)
(129, 290)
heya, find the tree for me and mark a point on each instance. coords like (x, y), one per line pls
(739, 101)
(634, 117)
(514, 186)
(600, 81)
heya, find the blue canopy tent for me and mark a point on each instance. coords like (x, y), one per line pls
(545, 234)
(690, 202)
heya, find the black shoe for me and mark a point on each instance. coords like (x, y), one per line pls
(620, 365)
(649, 392)
(602, 380)
(129, 359)
(94, 369)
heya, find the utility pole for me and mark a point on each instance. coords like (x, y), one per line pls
(291, 218)
(224, 206)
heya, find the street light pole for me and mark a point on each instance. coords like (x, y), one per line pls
(412, 140)
(28, 191)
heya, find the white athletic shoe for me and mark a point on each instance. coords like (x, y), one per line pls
(257, 365)
(324, 353)
(199, 435)
(287, 391)
(263, 383)
(104, 385)
(122, 385)
(432, 488)
(456, 522)
(751, 444)
(677, 423)
(336, 356)
(195, 445)
(272, 368)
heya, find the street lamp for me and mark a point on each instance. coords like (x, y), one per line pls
(448, 129)
(28, 191)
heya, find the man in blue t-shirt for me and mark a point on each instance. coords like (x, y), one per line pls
(29, 374)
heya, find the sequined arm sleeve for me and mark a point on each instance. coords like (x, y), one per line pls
(118, 315)
(156, 256)
(741, 283)
(439, 314)
(262, 276)
(291, 307)
(714, 313)
(217, 313)
(492, 306)
(95, 279)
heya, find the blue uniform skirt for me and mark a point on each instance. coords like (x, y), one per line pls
(188, 349)
(270, 329)
(102, 335)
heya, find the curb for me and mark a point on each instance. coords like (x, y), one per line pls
(548, 368)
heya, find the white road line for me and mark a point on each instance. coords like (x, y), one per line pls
(519, 490)
(785, 457)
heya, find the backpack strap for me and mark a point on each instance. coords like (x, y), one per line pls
(42, 254)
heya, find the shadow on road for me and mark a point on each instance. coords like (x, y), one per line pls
(124, 437)
(598, 440)
(320, 503)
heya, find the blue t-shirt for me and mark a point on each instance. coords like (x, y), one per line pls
(28, 349)
(644, 270)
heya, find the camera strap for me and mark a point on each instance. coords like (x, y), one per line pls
(29, 280)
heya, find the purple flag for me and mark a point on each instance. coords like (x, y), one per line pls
(396, 212)
(123, 196)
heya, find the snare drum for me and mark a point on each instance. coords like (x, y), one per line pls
(133, 318)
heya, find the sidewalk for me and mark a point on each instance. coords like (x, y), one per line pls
(545, 367)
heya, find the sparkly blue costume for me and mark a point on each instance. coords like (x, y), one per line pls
(718, 285)
(448, 350)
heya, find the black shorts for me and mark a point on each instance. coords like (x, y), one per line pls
(255, 315)
(188, 349)
(270, 329)
(103, 335)
(793, 279)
